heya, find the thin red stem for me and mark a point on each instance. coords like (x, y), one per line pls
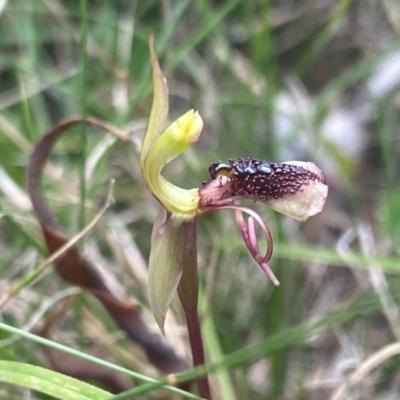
(196, 345)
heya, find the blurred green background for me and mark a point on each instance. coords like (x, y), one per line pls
(284, 80)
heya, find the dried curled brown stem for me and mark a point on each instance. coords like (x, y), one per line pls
(78, 270)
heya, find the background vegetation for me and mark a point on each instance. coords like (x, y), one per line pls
(282, 80)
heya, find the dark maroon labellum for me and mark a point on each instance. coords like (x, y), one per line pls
(263, 180)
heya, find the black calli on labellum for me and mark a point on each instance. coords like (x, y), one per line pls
(264, 180)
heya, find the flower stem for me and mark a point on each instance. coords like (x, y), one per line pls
(196, 345)
(188, 290)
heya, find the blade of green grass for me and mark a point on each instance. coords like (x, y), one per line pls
(84, 99)
(66, 349)
(49, 382)
(323, 38)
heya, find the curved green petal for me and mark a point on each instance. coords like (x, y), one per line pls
(174, 141)
(161, 146)
(159, 109)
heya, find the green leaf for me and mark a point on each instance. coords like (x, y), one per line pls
(49, 382)
(171, 242)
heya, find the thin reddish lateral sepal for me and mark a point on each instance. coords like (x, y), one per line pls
(248, 233)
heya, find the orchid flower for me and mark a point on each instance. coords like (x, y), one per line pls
(296, 189)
